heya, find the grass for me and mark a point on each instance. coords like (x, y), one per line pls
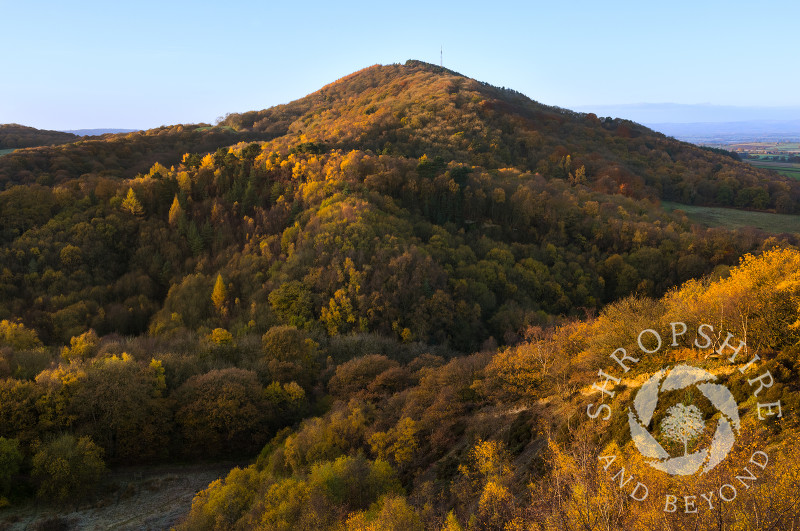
(6, 151)
(730, 218)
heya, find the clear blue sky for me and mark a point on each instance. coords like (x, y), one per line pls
(69, 65)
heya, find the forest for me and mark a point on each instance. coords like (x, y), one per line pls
(13, 136)
(390, 296)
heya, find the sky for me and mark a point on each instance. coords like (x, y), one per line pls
(121, 64)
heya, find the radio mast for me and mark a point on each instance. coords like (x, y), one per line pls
(441, 62)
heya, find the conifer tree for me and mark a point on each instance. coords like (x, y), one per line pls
(131, 204)
(175, 211)
(220, 295)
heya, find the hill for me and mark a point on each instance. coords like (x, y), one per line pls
(121, 155)
(502, 440)
(417, 109)
(188, 292)
(14, 136)
(485, 210)
(99, 132)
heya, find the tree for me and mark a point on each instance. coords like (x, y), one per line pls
(175, 211)
(399, 443)
(356, 374)
(289, 355)
(10, 459)
(390, 513)
(131, 204)
(17, 336)
(120, 406)
(68, 468)
(81, 347)
(219, 296)
(682, 424)
(222, 413)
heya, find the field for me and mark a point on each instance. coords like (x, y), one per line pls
(737, 219)
(764, 147)
(784, 168)
(6, 151)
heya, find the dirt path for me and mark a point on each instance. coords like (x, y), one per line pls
(142, 498)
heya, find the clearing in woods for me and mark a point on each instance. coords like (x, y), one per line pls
(737, 219)
(155, 497)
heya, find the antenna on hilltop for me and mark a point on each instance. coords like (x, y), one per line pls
(441, 62)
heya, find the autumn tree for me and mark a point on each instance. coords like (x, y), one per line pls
(81, 347)
(18, 336)
(121, 405)
(175, 212)
(219, 296)
(68, 468)
(131, 204)
(222, 413)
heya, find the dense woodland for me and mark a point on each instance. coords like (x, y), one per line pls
(394, 289)
(13, 136)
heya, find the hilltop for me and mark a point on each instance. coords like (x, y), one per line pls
(13, 136)
(418, 108)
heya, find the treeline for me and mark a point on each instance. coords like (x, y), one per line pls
(14, 136)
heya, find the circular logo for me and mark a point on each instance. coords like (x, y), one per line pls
(683, 423)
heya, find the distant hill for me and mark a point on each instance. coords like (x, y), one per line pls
(654, 113)
(98, 132)
(705, 123)
(727, 132)
(15, 136)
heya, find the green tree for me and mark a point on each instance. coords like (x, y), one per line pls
(10, 460)
(68, 468)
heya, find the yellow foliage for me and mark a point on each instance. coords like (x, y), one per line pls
(131, 204)
(81, 347)
(757, 302)
(208, 162)
(175, 211)
(398, 444)
(220, 336)
(495, 505)
(390, 513)
(185, 182)
(17, 336)
(219, 295)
